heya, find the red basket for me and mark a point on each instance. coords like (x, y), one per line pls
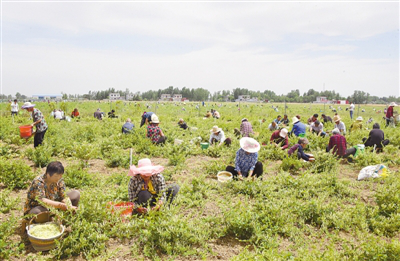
(25, 131)
(124, 208)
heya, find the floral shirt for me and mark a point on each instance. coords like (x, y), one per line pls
(38, 115)
(245, 162)
(153, 132)
(136, 184)
(39, 190)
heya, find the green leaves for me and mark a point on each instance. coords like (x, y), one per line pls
(15, 174)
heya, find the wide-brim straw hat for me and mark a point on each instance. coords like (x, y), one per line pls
(215, 129)
(154, 119)
(249, 145)
(359, 118)
(145, 168)
(27, 105)
(336, 118)
(283, 133)
(295, 119)
(392, 104)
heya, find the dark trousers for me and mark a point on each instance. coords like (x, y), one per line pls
(368, 143)
(42, 213)
(14, 113)
(227, 141)
(38, 139)
(258, 170)
(146, 198)
(348, 152)
(161, 140)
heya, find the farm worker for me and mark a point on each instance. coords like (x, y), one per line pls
(218, 136)
(326, 118)
(58, 115)
(338, 144)
(75, 113)
(299, 147)
(318, 128)
(111, 114)
(127, 127)
(38, 121)
(49, 190)
(154, 132)
(357, 125)
(285, 120)
(146, 118)
(280, 139)
(246, 161)
(273, 126)
(14, 107)
(312, 119)
(339, 124)
(216, 114)
(98, 114)
(182, 124)
(245, 128)
(351, 110)
(208, 114)
(376, 138)
(278, 120)
(298, 128)
(389, 112)
(147, 186)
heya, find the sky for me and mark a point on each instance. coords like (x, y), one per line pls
(76, 46)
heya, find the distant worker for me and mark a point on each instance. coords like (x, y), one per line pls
(98, 114)
(182, 124)
(38, 121)
(14, 108)
(75, 113)
(245, 128)
(127, 127)
(146, 118)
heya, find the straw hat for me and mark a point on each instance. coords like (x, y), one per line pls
(336, 118)
(283, 133)
(244, 119)
(215, 129)
(392, 104)
(154, 119)
(249, 145)
(145, 168)
(27, 105)
(295, 119)
(359, 118)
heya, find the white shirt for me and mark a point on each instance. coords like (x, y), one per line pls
(352, 107)
(220, 137)
(317, 128)
(270, 127)
(57, 115)
(341, 127)
(14, 107)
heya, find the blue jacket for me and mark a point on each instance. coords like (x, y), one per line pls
(298, 128)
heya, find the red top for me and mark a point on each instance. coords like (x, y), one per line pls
(283, 142)
(338, 143)
(75, 113)
(389, 112)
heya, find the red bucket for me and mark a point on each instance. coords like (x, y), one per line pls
(124, 208)
(25, 131)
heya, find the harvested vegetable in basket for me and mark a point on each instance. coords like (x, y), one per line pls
(45, 231)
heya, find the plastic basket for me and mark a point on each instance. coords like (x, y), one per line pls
(40, 244)
(25, 131)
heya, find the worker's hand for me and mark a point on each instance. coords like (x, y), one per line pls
(32, 125)
(62, 206)
(141, 210)
(158, 206)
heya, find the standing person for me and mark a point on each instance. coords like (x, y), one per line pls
(338, 145)
(280, 139)
(299, 128)
(38, 121)
(245, 128)
(146, 118)
(376, 138)
(299, 147)
(318, 128)
(154, 132)
(147, 187)
(98, 114)
(389, 113)
(49, 188)
(14, 108)
(246, 161)
(128, 126)
(339, 124)
(351, 109)
(218, 136)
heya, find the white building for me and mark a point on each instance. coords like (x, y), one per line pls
(114, 96)
(246, 98)
(169, 97)
(41, 97)
(321, 99)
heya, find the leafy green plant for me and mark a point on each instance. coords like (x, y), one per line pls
(7, 203)
(77, 177)
(291, 164)
(9, 248)
(41, 156)
(15, 174)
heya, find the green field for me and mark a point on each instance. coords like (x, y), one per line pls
(297, 211)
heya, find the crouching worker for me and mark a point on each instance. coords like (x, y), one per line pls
(49, 190)
(299, 147)
(147, 187)
(376, 138)
(338, 145)
(246, 161)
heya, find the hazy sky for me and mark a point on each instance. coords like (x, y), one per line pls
(74, 47)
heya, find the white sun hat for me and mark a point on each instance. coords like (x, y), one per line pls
(249, 145)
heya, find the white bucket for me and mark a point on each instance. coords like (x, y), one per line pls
(178, 142)
(224, 176)
(193, 128)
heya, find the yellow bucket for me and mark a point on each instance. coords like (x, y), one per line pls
(41, 244)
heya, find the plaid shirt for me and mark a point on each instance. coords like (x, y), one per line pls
(136, 184)
(246, 129)
(39, 190)
(153, 132)
(38, 115)
(337, 142)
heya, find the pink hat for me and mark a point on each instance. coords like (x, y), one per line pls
(145, 168)
(249, 145)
